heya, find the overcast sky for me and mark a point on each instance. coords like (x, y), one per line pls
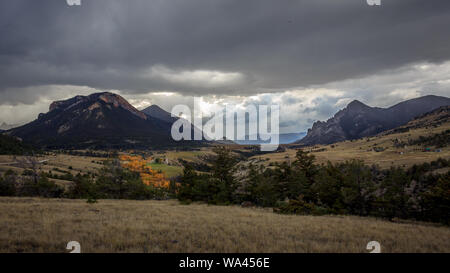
(310, 56)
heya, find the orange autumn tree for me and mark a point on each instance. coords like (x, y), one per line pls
(149, 176)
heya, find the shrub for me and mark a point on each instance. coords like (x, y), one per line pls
(43, 188)
(8, 185)
(299, 206)
(436, 201)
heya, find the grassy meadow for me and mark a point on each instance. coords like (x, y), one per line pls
(169, 171)
(364, 149)
(46, 225)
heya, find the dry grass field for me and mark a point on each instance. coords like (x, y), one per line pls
(364, 149)
(190, 156)
(60, 164)
(66, 163)
(46, 225)
(57, 164)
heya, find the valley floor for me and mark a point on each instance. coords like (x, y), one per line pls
(47, 225)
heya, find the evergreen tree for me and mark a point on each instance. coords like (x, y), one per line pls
(305, 171)
(8, 184)
(436, 201)
(357, 187)
(393, 201)
(224, 167)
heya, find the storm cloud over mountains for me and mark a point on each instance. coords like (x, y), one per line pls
(311, 55)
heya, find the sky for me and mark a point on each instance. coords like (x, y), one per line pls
(311, 57)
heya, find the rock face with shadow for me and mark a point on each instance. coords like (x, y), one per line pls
(101, 120)
(358, 120)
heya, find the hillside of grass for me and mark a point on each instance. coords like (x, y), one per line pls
(169, 171)
(421, 140)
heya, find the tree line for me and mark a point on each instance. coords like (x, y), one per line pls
(305, 187)
(111, 182)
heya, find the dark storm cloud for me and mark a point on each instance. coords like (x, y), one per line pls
(214, 46)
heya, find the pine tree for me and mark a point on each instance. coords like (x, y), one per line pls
(224, 167)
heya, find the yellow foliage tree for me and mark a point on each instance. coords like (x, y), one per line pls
(149, 176)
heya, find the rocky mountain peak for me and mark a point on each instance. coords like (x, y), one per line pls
(157, 112)
(94, 101)
(357, 105)
(98, 120)
(358, 120)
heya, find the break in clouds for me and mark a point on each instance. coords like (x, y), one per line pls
(310, 56)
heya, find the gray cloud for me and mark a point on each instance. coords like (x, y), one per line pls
(267, 45)
(310, 56)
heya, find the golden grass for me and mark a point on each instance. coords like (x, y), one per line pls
(65, 163)
(187, 155)
(46, 225)
(169, 171)
(363, 149)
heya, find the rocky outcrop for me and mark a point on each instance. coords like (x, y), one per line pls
(358, 120)
(98, 120)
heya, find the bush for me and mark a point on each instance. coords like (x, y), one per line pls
(82, 187)
(436, 201)
(115, 182)
(299, 206)
(42, 188)
(12, 146)
(8, 185)
(28, 173)
(343, 188)
(217, 188)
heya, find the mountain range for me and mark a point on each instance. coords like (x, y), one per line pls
(433, 119)
(106, 120)
(359, 120)
(101, 120)
(157, 112)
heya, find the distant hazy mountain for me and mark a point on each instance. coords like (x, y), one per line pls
(359, 120)
(4, 126)
(101, 120)
(283, 139)
(157, 112)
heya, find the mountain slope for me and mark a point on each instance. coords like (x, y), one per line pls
(359, 120)
(154, 111)
(433, 119)
(4, 126)
(12, 146)
(157, 112)
(101, 120)
(288, 138)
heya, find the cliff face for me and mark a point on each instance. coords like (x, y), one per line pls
(101, 120)
(359, 120)
(110, 99)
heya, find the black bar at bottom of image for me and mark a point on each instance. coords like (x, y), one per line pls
(224, 262)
